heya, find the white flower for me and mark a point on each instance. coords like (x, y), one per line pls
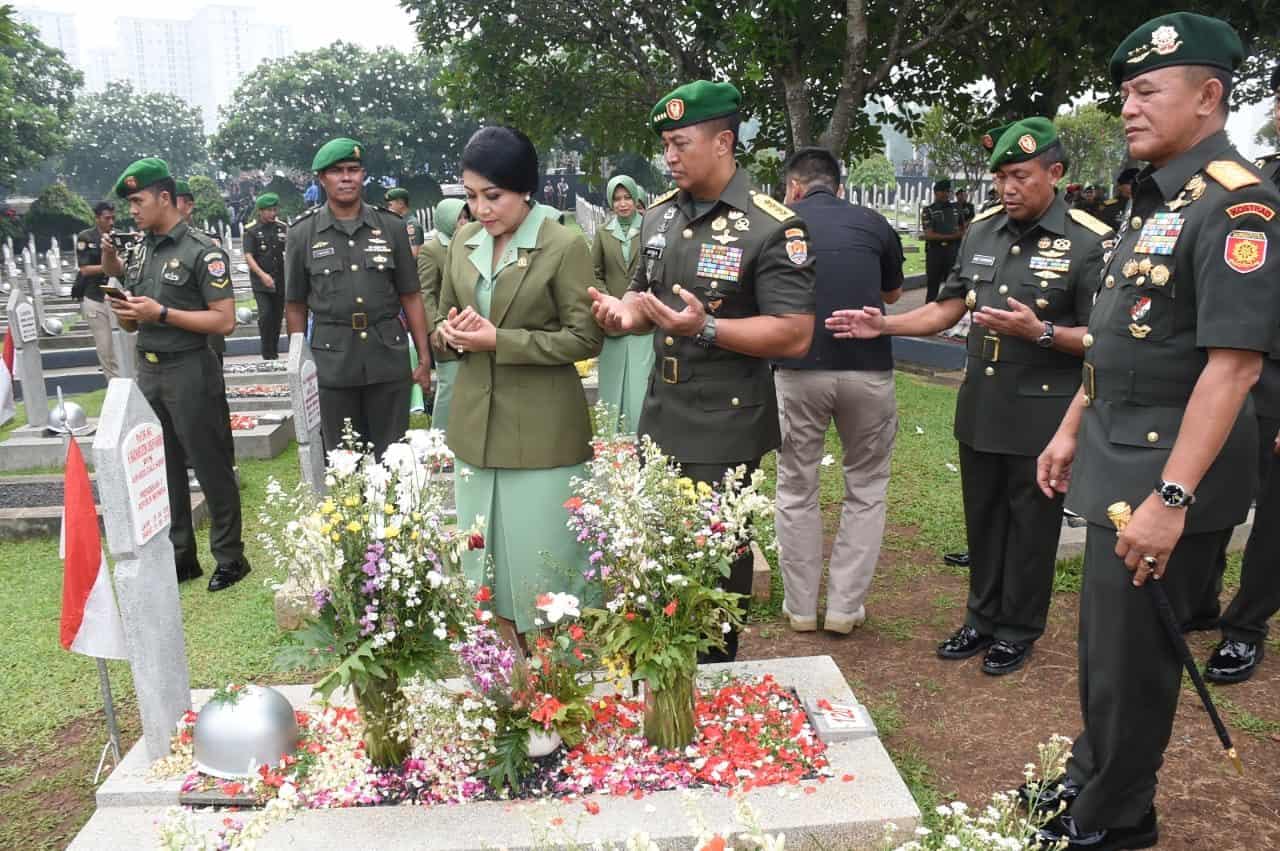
(343, 462)
(557, 605)
(827, 460)
(399, 458)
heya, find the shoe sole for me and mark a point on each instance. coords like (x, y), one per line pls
(800, 624)
(967, 654)
(1228, 679)
(1000, 672)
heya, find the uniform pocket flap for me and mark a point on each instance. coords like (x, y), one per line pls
(379, 259)
(730, 395)
(1048, 383)
(1156, 428)
(329, 338)
(391, 332)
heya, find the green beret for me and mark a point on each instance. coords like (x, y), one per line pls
(335, 151)
(989, 138)
(1023, 140)
(694, 103)
(1179, 38)
(265, 200)
(141, 174)
(942, 186)
(397, 194)
(181, 187)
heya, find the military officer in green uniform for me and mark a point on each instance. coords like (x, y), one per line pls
(965, 207)
(450, 214)
(1244, 623)
(264, 242)
(350, 264)
(726, 280)
(180, 284)
(398, 203)
(1028, 270)
(941, 227)
(1163, 421)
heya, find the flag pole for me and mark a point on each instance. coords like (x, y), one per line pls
(113, 730)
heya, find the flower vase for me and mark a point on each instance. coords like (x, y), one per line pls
(382, 708)
(669, 713)
(542, 743)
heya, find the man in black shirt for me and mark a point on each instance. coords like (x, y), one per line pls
(89, 280)
(859, 263)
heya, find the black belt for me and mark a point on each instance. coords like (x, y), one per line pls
(160, 357)
(680, 370)
(358, 321)
(1124, 385)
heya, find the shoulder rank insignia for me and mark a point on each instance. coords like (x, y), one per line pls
(989, 212)
(1251, 208)
(1082, 218)
(772, 207)
(308, 214)
(664, 198)
(1231, 174)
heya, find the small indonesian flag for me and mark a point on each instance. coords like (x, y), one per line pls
(7, 406)
(90, 620)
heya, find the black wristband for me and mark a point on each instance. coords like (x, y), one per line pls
(164, 313)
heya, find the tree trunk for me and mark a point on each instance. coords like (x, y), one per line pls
(796, 94)
(852, 92)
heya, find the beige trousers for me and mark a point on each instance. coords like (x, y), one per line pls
(866, 417)
(98, 316)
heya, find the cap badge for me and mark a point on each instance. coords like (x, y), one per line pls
(675, 109)
(131, 182)
(1028, 143)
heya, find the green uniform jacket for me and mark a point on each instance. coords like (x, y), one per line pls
(942, 219)
(182, 269)
(1193, 270)
(88, 253)
(612, 274)
(523, 406)
(746, 256)
(432, 258)
(351, 275)
(1266, 393)
(265, 242)
(1015, 393)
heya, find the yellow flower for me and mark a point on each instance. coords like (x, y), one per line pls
(413, 536)
(326, 528)
(704, 490)
(392, 532)
(389, 509)
(336, 537)
(354, 526)
(351, 502)
(417, 517)
(327, 507)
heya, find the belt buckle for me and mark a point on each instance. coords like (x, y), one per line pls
(359, 321)
(671, 370)
(1087, 380)
(991, 348)
(151, 357)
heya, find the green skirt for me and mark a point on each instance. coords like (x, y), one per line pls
(446, 374)
(529, 550)
(625, 365)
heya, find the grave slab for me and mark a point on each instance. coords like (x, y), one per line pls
(28, 448)
(31, 507)
(837, 814)
(268, 438)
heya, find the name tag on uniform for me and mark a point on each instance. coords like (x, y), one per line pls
(984, 260)
(1051, 264)
(172, 276)
(317, 253)
(1159, 234)
(719, 262)
(653, 249)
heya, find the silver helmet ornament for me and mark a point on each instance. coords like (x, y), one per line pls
(241, 728)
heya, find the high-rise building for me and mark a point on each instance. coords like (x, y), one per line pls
(235, 35)
(57, 29)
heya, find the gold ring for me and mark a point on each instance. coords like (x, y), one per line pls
(1150, 561)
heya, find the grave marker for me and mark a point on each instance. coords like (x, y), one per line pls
(128, 454)
(30, 367)
(304, 393)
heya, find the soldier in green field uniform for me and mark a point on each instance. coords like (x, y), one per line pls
(398, 203)
(350, 263)
(264, 242)
(726, 277)
(181, 293)
(941, 227)
(1028, 270)
(450, 214)
(1163, 421)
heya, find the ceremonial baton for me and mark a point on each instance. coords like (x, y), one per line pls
(1120, 514)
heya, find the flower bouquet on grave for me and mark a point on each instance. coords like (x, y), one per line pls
(660, 544)
(540, 701)
(381, 563)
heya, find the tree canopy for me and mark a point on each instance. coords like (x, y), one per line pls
(1094, 143)
(287, 108)
(37, 91)
(952, 144)
(119, 125)
(57, 211)
(875, 170)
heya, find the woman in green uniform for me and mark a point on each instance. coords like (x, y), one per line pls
(449, 215)
(627, 359)
(515, 307)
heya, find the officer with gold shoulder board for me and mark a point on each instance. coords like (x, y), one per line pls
(1163, 420)
(726, 278)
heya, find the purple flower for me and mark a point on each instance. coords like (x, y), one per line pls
(486, 658)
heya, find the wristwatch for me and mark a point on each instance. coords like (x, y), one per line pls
(164, 313)
(1174, 495)
(1045, 340)
(707, 336)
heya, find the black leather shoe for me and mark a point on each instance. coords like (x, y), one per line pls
(1063, 828)
(956, 559)
(963, 643)
(189, 570)
(1005, 657)
(1051, 796)
(1233, 661)
(228, 574)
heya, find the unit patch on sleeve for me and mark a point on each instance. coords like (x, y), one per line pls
(1246, 250)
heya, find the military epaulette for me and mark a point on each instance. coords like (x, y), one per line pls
(253, 224)
(664, 198)
(1261, 161)
(201, 237)
(779, 211)
(308, 214)
(989, 212)
(1231, 174)
(1094, 224)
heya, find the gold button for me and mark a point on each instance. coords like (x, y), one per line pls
(715, 285)
(353, 267)
(351, 242)
(676, 289)
(1142, 279)
(991, 370)
(364, 335)
(1044, 387)
(1135, 222)
(1044, 285)
(1004, 288)
(688, 233)
(1017, 249)
(1087, 401)
(1152, 436)
(1087, 339)
(670, 341)
(1111, 280)
(359, 299)
(734, 401)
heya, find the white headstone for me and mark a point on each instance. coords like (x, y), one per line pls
(304, 392)
(29, 366)
(37, 288)
(126, 451)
